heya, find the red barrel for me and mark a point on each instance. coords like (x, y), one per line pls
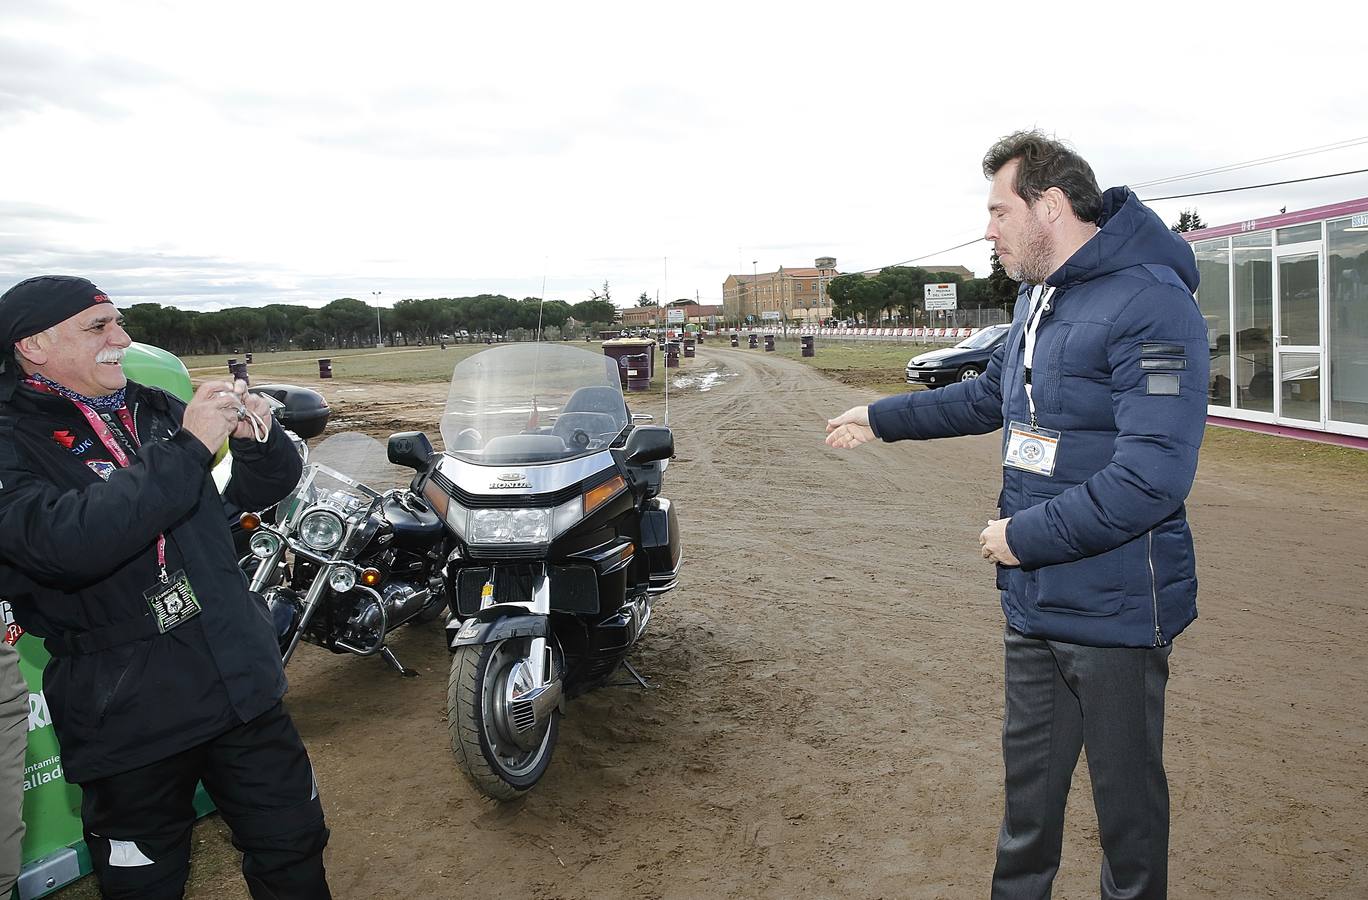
(325, 368)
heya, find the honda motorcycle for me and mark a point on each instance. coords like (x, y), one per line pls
(341, 564)
(559, 540)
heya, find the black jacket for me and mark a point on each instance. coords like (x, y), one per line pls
(78, 540)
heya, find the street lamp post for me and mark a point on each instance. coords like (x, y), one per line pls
(379, 340)
(755, 286)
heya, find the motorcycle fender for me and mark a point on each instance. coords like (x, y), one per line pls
(475, 632)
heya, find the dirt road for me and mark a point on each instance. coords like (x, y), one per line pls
(826, 713)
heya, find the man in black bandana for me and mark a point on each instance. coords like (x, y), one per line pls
(115, 549)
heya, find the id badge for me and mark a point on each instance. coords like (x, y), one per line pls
(1031, 449)
(173, 602)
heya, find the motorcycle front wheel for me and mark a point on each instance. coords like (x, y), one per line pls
(480, 727)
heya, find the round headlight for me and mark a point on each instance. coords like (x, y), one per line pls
(263, 544)
(342, 579)
(321, 529)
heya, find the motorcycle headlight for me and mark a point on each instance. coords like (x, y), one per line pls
(321, 529)
(509, 526)
(263, 544)
(342, 579)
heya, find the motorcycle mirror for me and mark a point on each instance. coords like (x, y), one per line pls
(648, 443)
(411, 449)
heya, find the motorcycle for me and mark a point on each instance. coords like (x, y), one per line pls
(341, 564)
(559, 540)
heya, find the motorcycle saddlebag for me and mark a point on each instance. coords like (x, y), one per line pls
(660, 540)
(305, 412)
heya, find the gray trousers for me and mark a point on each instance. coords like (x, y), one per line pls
(1061, 698)
(13, 742)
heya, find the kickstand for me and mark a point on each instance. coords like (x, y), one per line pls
(637, 679)
(388, 656)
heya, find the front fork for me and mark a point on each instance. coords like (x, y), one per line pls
(534, 679)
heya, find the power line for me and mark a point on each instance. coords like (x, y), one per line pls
(1264, 160)
(1252, 187)
(1248, 187)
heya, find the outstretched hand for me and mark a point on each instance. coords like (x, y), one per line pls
(849, 429)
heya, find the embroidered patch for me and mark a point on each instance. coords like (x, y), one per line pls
(102, 467)
(65, 438)
(1165, 385)
(1163, 363)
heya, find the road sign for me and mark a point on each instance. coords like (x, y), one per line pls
(770, 314)
(940, 296)
(674, 315)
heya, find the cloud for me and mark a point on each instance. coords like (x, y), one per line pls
(36, 76)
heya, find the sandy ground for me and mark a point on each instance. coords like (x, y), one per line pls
(826, 709)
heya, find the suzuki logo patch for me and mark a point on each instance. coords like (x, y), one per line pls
(102, 467)
(65, 438)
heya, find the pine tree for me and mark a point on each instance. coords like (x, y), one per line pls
(1188, 220)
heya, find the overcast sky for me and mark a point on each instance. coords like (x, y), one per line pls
(208, 155)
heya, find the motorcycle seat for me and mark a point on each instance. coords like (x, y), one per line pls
(582, 429)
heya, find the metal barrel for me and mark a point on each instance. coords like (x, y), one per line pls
(325, 368)
(808, 348)
(769, 343)
(754, 341)
(638, 370)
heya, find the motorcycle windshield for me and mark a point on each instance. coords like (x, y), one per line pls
(347, 473)
(533, 403)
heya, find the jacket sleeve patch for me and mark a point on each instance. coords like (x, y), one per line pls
(1162, 385)
(1163, 364)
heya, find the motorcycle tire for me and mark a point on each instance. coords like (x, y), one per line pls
(495, 767)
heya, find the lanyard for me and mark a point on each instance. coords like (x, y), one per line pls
(1040, 302)
(116, 447)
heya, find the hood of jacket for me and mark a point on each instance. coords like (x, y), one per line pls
(1129, 234)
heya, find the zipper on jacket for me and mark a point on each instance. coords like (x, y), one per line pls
(1154, 587)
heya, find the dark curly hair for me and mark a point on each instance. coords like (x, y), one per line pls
(1046, 163)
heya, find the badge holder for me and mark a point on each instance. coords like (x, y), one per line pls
(173, 602)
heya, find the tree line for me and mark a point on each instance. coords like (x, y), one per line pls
(348, 322)
(898, 291)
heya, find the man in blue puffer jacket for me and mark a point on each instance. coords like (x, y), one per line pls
(1100, 392)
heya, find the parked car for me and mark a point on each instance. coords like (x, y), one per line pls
(963, 362)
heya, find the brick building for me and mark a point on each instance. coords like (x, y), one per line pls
(794, 294)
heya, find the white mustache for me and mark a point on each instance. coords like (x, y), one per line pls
(109, 356)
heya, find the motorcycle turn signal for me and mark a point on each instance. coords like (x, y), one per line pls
(249, 521)
(370, 577)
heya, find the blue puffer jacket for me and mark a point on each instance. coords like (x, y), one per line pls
(1120, 369)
